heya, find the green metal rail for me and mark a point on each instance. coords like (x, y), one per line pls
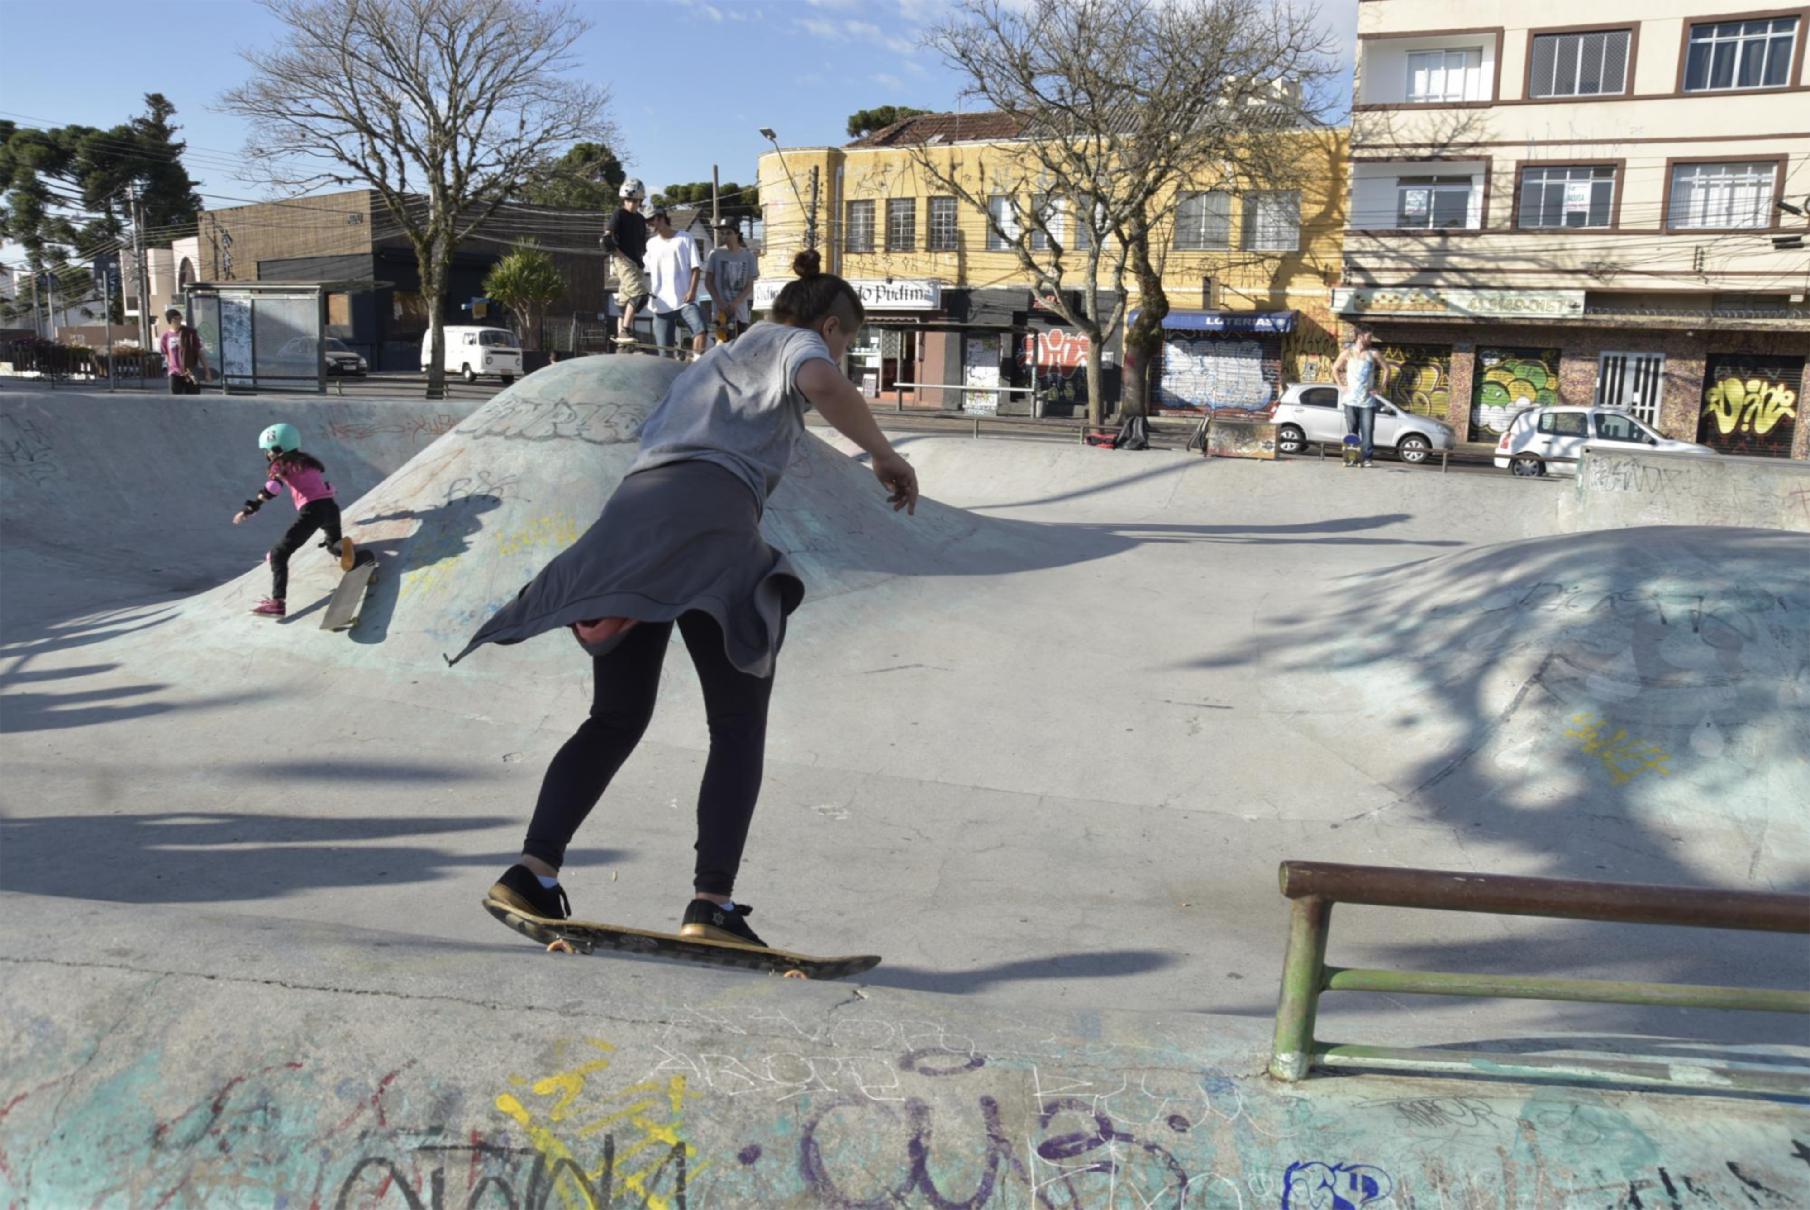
(1313, 887)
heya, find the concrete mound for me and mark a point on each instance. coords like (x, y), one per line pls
(1662, 673)
(465, 523)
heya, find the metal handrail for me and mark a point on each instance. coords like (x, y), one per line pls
(1313, 887)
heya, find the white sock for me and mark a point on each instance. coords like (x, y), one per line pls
(728, 906)
(546, 883)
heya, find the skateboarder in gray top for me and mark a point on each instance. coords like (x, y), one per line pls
(679, 543)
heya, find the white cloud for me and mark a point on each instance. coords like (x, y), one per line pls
(842, 4)
(859, 29)
(713, 12)
(890, 81)
(821, 28)
(923, 12)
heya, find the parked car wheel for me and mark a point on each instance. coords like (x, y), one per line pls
(465, 371)
(508, 378)
(1527, 466)
(1290, 439)
(1413, 448)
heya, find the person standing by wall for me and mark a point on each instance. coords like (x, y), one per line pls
(1362, 375)
(626, 243)
(729, 275)
(673, 274)
(183, 356)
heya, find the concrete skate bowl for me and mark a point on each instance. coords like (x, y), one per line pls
(1620, 705)
(465, 523)
(110, 499)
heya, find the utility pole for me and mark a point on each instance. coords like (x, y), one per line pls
(138, 269)
(810, 230)
(716, 207)
(107, 315)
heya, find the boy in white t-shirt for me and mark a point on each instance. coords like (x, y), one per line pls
(673, 273)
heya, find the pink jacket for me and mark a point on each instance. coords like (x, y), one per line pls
(305, 484)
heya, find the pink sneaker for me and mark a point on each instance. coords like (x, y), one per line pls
(269, 607)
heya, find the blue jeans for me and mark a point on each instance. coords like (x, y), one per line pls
(666, 326)
(1362, 422)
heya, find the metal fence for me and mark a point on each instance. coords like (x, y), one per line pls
(1314, 887)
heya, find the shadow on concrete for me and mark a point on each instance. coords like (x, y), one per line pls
(1079, 964)
(1617, 706)
(218, 857)
(52, 703)
(443, 532)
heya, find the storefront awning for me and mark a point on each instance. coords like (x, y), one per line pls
(1276, 322)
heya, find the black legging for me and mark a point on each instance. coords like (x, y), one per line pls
(627, 682)
(316, 514)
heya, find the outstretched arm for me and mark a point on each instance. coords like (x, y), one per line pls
(253, 505)
(836, 398)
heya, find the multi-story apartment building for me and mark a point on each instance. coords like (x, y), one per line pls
(1599, 204)
(1247, 275)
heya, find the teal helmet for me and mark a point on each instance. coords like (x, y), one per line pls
(280, 437)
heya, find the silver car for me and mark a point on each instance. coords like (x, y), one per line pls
(1310, 412)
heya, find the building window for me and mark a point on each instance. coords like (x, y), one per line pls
(1567, 197)
(901, 224)
(1579, 65)
(1721, 196)
(1084, 227)
(858, 227)
(1433, 201)
(1002, 225)
(942, 234)
(1272, 221)
(1203, 221)
(1740, 54)
(1443, 76)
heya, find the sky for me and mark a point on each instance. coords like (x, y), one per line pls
(692, 81)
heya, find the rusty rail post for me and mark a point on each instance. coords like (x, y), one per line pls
(1303, 972)
(1315, 886)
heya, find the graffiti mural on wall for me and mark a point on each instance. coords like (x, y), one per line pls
(1213, 372)
(1750, 404)
(1508, 381)
(1308, 353)
(1420, 378)
(1061, 360)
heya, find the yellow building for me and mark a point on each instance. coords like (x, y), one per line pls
(1248, 276)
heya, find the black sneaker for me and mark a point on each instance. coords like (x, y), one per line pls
(705, 921)
(519, 890)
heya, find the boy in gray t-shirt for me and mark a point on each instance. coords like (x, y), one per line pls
(729, 274)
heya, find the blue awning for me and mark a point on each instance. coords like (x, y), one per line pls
(1276, 322)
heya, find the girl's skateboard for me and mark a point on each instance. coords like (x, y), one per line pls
(348, 599)
(584, 937)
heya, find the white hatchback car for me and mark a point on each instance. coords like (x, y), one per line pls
(1550, 440)
(1310, 412)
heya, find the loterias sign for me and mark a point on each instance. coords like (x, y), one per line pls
(877, 294)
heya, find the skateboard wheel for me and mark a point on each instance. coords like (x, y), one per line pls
(559, 945)
(794, 974)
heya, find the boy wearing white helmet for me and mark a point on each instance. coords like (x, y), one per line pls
(305, 477)
(627, 244)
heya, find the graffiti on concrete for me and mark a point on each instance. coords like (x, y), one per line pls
(1621, 754)
(1213, 372)
(1317, 1186)
(1750, 405)
(1509, 381)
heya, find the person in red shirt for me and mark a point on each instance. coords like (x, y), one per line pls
(183, 356)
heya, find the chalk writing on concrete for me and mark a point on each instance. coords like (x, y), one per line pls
(1622, 755)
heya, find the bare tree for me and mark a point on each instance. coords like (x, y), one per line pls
(444, 108)
(1123, 105)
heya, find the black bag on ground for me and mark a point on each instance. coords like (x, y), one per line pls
(1134, 434)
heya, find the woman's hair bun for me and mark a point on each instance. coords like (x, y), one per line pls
(808, 263)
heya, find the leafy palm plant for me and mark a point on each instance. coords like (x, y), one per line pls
(526, 281)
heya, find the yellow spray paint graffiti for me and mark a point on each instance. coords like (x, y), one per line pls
(641, 1149)
(1750, 404)
(1420, 378)
(1625, 758)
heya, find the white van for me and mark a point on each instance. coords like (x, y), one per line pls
(474, 351)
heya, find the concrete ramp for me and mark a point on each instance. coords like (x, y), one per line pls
(1615, 489)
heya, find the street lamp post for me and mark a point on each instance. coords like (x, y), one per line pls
(810, 229)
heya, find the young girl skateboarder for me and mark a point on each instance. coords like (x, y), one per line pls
(679, 543)
(316, 509)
